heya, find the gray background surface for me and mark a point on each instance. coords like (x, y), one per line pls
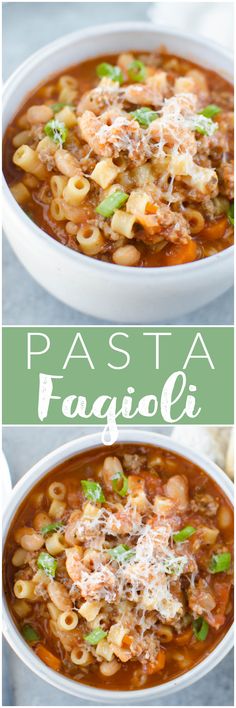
(23, 447)
(27, 27)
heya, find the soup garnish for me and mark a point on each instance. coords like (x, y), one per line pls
(128, 159)
(122, 563)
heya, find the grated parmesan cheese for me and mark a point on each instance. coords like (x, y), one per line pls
(144, 578)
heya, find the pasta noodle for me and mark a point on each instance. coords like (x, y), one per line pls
(123, 223)
(196, 220)
(67, 116)
(105, 173)
(90, 240)
(56, 509)
(27, 159)
(57, 490)
(75, 191)
(21, 138)
(57, 209)
(22, 608)
(67, 621)
(80, 657)
(20, 193)
(25, 589)
(55, 544)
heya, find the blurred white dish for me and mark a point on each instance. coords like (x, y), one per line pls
(6, 485)
(209, 19)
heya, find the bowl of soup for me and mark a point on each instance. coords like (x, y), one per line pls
(117, 567)
(118, 165)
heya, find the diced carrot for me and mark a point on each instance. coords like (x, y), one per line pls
(50, 659)
(177, 254)
(184, 638)
(159, 664)
(214, 230)
(127, 640)
(151, 208)
(221, 592)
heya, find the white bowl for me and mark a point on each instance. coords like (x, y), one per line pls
(105, 290)
(14, 637)
(6, 485)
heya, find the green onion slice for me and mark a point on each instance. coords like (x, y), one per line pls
(115, 200)
(112, 72)
(137, 71)
(30, 634)
(95, 636)
(56, 130)
(50, 528)
(220, 563)
(200, 628)
(230, 213)
(121, 553)
(47, 563)
(144, 116)
(92, 490)
(203, 125)
(184, 534)
(56, 107)
(210, 111)
(117, 479)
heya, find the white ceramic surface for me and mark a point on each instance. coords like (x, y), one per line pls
(104, 290)
(6, 485)
(14, 637)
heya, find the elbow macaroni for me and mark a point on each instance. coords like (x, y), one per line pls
(28, 160)
(90, 240)
(105, 173)
(123, 223)
(76, 190)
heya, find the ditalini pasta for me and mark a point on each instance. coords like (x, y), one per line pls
(131, 158)
(131, 573)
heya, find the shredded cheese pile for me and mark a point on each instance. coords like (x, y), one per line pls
(143, 577)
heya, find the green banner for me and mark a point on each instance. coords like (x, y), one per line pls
(117, 375)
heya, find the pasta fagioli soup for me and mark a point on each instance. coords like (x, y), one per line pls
(118, 567)
(128, 159)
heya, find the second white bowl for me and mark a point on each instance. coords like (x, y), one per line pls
(11, 632)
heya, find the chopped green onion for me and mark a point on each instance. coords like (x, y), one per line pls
(200, 628)
(56, 107)
(112, 72)
(116, 479)
(220, 563)
(95, 636)
(137, 71)
(92, 490)
(56, 130)
(30, 634)
(56, 526)
(230, 213)
(210, 111)
(115, 200)
(184, 534)
(47, 563)
(144, 116)
(121, 553)
(203, 125)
